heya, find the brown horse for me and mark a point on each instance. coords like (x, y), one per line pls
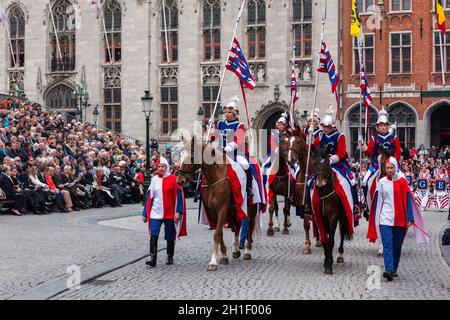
(331, 209)
(279, 187)
(294, 148)
(217, 197)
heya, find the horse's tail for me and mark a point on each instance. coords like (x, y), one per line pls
(343, 224)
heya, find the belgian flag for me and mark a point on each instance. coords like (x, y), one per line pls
(355, 26)
(440, 16)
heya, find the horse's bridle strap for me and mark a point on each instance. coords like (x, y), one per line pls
(213, 184)
(328, 195)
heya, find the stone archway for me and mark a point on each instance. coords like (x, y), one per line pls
(438, 123)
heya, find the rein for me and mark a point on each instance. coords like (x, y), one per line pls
(213, 184)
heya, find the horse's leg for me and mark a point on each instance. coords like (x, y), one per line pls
(286, 211)
(223, 249)
(277, 220)
(340, 259)
(251, 226)
(218, 236)
(270, 231)
(307, 227)
(330, 245)
(236, 251)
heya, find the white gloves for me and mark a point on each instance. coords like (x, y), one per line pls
(361, 144)
(334, 159)
(228, 148)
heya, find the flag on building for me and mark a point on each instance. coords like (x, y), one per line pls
(365, 90)
(440, 16)
(95, 4)
(327, 66)
(355, 26)
(237, 63)
(4, 21)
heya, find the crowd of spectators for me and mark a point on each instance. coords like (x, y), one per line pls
(50, 164)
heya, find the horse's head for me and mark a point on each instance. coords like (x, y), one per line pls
(187, 162)
(322, 168)
(292, 145)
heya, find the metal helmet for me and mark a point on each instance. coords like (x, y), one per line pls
(314, 117)
(383, 117)
(328, 120)
(233, 104)
(283, 119)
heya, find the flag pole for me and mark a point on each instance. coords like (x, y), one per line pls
(442, 58)
(10, 46)
(291, 111)
(165, 31)
(105, 33)
(360, 96)
(211, 121)
(241, 9)
(56, 35)
(310, 135)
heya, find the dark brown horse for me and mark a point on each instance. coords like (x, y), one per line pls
(279, 187)
(294, 148)
(217, 197)
(331, 209)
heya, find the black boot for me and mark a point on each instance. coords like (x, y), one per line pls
(248, 173)
(153, 251)
(170, 251)
(356, 212)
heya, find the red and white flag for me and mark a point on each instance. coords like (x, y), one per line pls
(95, 4)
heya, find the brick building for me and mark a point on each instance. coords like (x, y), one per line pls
(402, 62)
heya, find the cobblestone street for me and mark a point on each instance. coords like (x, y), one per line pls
(278, 270)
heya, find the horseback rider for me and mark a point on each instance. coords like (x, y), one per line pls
(232, 142)
(314, 120)
(335, 144)
(383, 140)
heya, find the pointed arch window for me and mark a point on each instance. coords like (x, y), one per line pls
(62, 36)
(60, 97)
(405, 119)
(354, 125)
(113, 23)
(211, 30)
(171, 12)
(256, 29)
(17, 34)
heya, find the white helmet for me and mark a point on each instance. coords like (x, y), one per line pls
(233, 104)
(383, 117)
(314, 117)
(282, 119)
(328, 120)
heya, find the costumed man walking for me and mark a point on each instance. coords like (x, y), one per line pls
(334, 143)
(165, 204)
(393, 211)
(423, 188)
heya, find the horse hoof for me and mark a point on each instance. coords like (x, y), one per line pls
(340, 260)
(328, 271)
(318, 244)
(285, 231)
(236, 255)
(307, 251)
(276, 229)
(379, 253)
(212, 267)
(289, 225)
(247, 256)
(270, 233)
(223, 261)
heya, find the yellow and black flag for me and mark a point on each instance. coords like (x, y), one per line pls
(355, 27)
(440, 16)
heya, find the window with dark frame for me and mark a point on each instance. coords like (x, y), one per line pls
(208, 102)
(211, 30)
(256, 29)
(112, 103)
(172, 31)
(364, 5)
(113, 23)
(17, 35)
(401, 52)
(169, 110)
(302, 27)
(368, 50)
(400, 5)
(437, 52)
